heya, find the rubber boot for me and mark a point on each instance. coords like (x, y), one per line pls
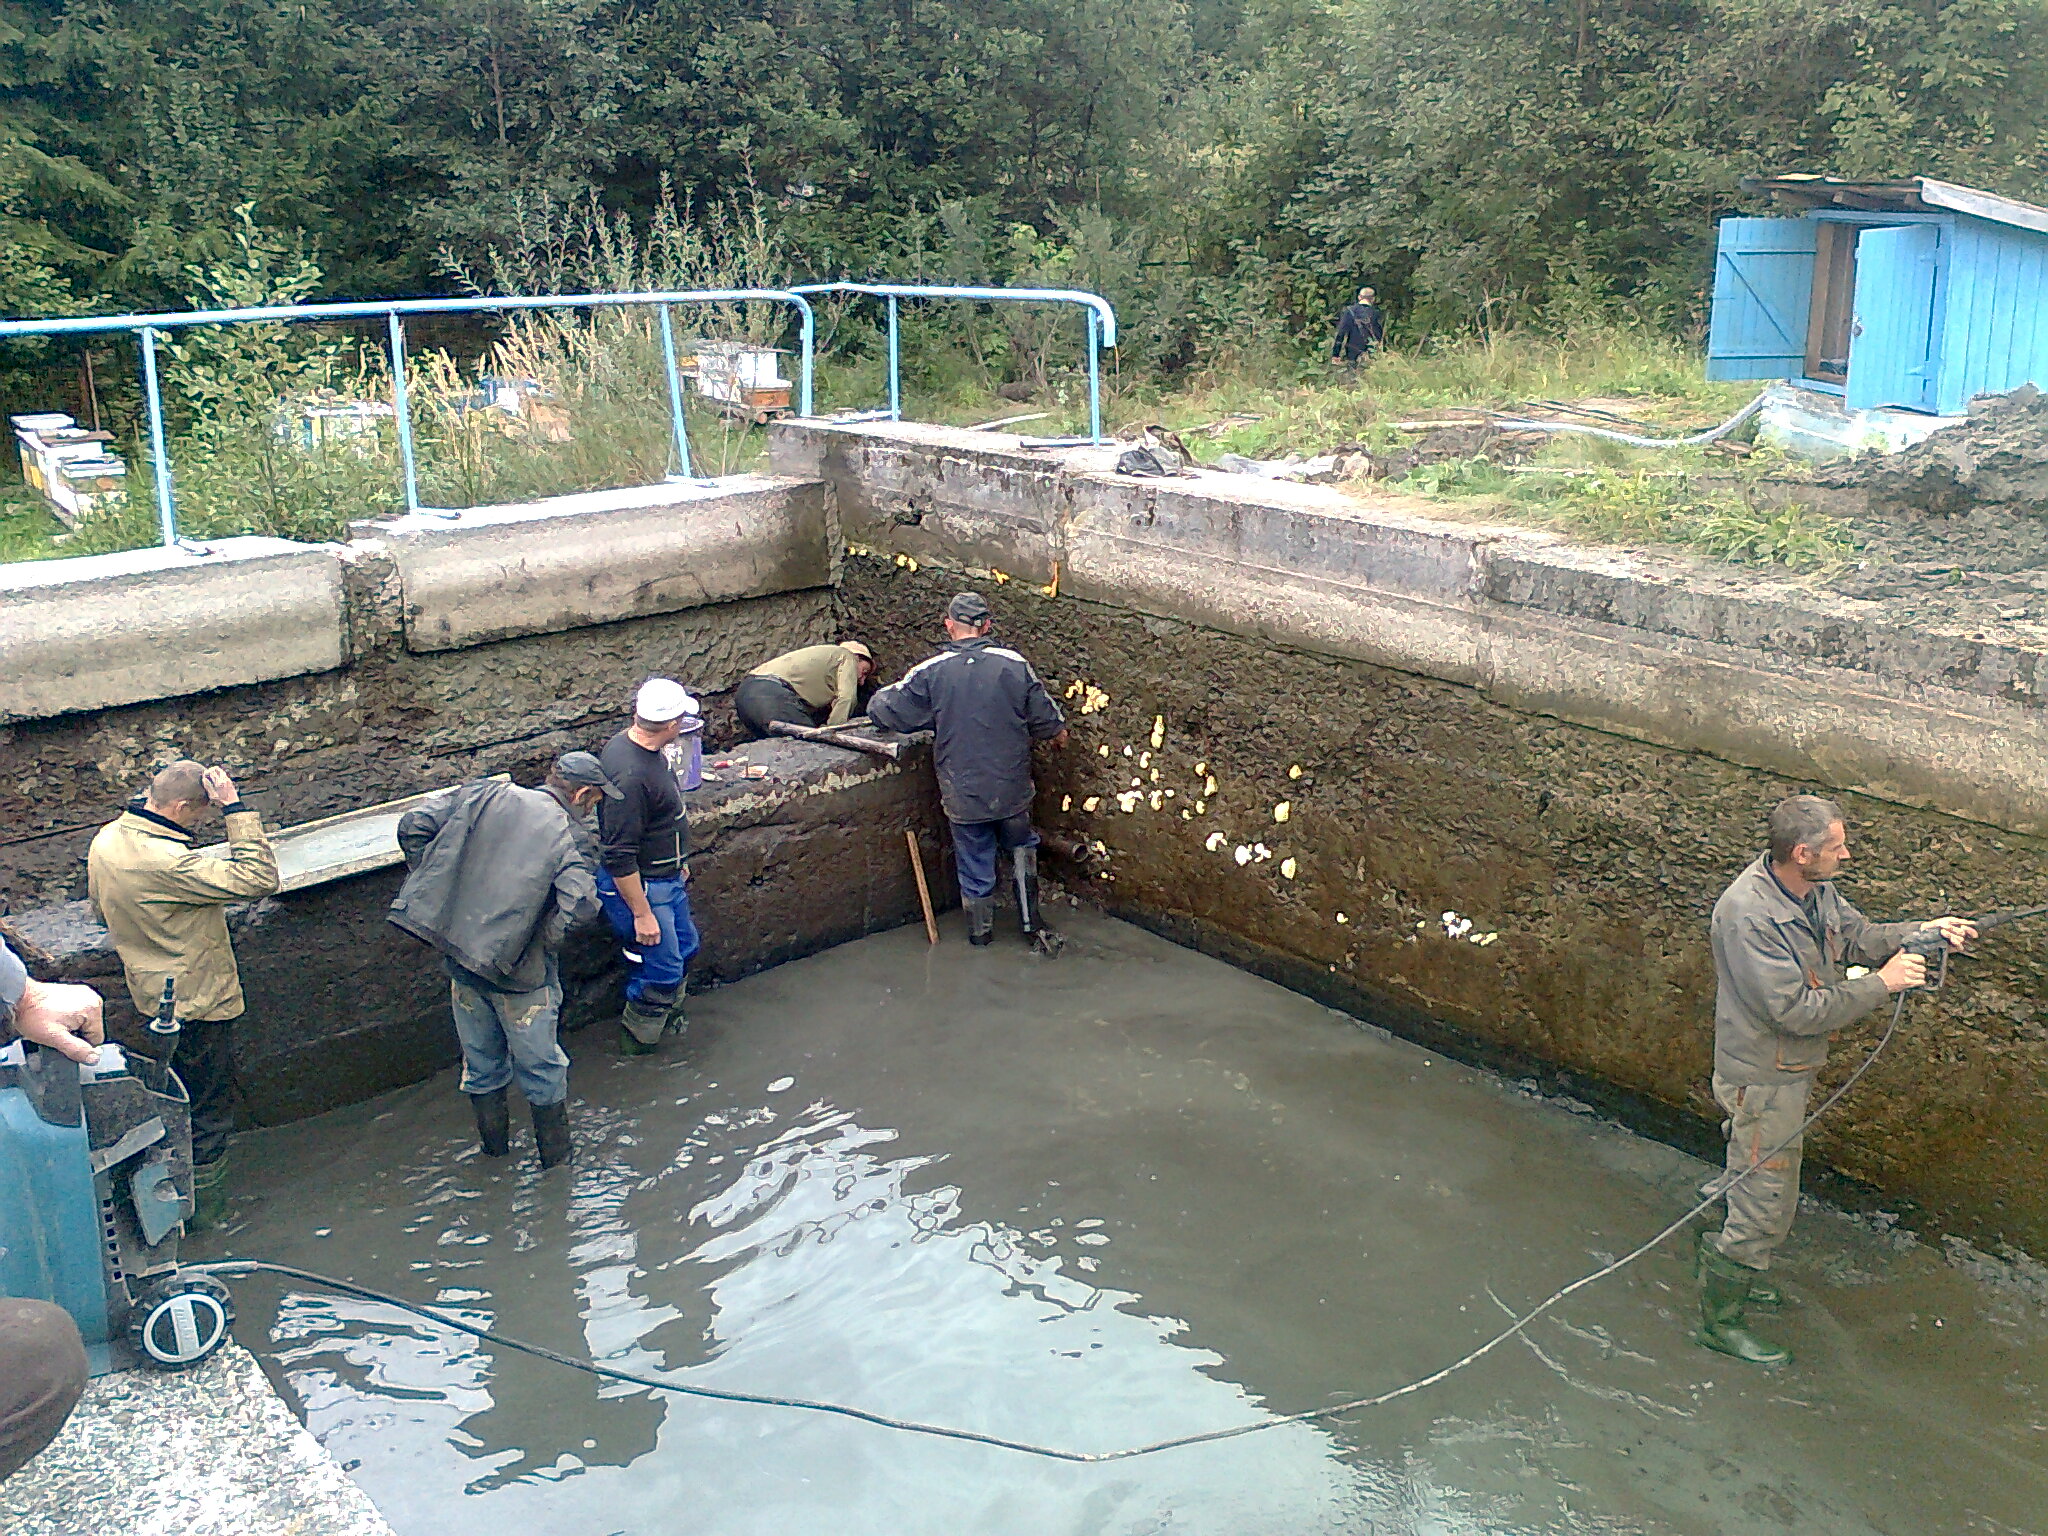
(677, 1020)
(551, 1133)
(981, 918)
(209, 1195)
(641, 1024)
(493, 1122)
(1724, 1292)
(1762, 1293)
(1024, 872)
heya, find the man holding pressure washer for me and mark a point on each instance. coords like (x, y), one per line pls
(1789, 953)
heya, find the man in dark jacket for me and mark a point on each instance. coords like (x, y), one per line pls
(986, 708)
(1361, 329)
(1793, 963)
(499, 875)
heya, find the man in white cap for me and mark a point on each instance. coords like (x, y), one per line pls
(645, 854)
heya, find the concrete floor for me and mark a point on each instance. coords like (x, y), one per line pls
(1095, 1201)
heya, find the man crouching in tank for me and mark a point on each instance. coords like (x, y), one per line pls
(499, 875)
(985, 708)
(1785, 944)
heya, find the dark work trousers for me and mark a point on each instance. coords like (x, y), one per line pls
(976, 845)
(205, 1062)
(759, 700)
(42, 1374)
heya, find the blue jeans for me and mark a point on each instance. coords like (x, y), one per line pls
(507, 1035)
(657, 968)
(975, 845)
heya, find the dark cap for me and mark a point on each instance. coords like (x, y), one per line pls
(967, 608)
(583, 769)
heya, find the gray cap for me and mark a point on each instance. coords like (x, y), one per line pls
(583, 768)
(967, 608)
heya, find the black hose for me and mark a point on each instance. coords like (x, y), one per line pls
(1052, 1453)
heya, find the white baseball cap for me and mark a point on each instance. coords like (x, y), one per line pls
(662, 699)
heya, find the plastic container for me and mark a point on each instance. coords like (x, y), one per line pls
(686, 753)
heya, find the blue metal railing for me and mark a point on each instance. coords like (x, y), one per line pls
(1101, 327)
(148, 327)
(1101, 332)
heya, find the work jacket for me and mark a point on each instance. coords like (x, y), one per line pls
(499, 875)
(985, 707)
(164, 904)
(1781, 988)
(819, 675)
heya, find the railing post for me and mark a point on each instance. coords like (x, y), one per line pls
(895, 374)
(1094, 377)
(401, 405)
(803, 401)
(677, 422)
(166, 506)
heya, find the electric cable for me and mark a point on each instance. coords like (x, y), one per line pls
(1053, 1453)
(1712, 434)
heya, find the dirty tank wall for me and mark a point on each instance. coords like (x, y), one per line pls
(1595, 858)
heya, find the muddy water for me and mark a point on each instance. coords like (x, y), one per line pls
(1094, 1202)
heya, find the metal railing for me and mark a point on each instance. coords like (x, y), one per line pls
(1101, 327)
(1101, 332)
(147, 328)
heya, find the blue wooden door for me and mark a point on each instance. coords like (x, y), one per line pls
(1892, 344)
(1763, 288)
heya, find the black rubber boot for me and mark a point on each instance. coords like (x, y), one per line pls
(1024, 872)
(641, 1024)
(209, 1196)
(493, 1122)
(676, 1021)
(1724, 1292)
(981, 918)
(551, 1133)
(1761, 1292)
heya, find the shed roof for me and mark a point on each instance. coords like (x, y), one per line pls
(1915, 194)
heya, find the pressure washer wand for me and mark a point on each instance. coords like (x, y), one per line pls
(1935, 949)
(166, 1020)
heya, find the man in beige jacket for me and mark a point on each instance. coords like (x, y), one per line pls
(164, 904)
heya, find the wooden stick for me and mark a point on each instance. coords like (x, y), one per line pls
(837, 736)
(924, 892)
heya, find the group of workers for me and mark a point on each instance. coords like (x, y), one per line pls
(500, 874)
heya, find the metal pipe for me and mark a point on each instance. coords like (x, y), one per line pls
(895, 375)
(160, 458)
(810, 333)
(1095, 301)
(675, 392)
(401, 409)
(1094, 381)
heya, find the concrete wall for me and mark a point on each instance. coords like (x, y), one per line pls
(1733, 663)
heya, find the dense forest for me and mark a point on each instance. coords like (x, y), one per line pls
(1226, 169)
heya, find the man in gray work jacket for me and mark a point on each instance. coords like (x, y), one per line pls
(985, 708)
(1785, 942)
(499, 875)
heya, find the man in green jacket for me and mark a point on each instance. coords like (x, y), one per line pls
(1793, 963)
(817, 685)
(165, 904)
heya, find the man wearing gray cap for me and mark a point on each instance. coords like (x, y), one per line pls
(985, 708)
(499, 875)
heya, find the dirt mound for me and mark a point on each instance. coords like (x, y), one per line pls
(1996, 459)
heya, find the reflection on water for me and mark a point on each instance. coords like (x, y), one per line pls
(800, 1260)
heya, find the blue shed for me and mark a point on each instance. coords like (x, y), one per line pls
(1916, 294)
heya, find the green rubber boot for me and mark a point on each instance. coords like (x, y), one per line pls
(1724, 1292)
(1761, 1292)
(209, 1196)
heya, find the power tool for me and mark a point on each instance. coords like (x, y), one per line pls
(1934, 948)
(95, 1188)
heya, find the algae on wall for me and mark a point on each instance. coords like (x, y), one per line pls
(1420, 806)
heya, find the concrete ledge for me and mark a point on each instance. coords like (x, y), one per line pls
(571, 561)
(106, 630)
(1755, 670)
(212, 1451)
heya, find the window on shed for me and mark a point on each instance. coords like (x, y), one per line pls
(1832, 313)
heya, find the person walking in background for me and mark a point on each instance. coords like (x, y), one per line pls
(986, 708)
(164, 904)
(644, 883)
(1361, 329)
(499, 875)
(817, 685)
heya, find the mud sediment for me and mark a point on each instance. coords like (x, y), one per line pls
(1596, 859)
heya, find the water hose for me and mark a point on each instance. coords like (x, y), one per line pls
(231, 1267)
(1712, 434)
